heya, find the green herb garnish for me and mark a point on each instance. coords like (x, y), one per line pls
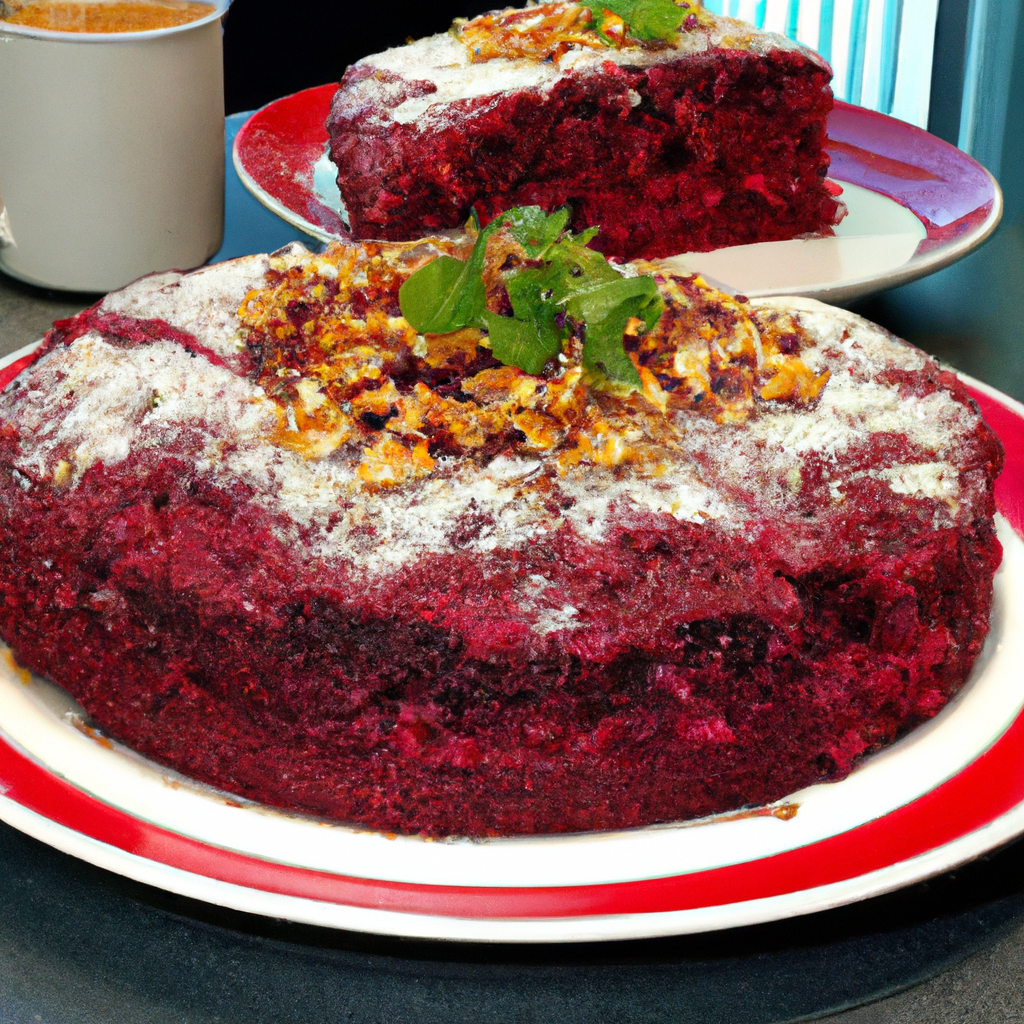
(649, 19)
(558, 288)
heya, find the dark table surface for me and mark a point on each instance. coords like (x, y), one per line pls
(81, 946)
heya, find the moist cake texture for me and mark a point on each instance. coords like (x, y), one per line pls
(713, 136)
(269, 536)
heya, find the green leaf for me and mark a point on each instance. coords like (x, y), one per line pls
(430, 297)
(603, 351)
(519, 343)
(563, 278)
(605, 309)
(535, 230)
(535, 294)
(586, 236)
(648, 19)
(448, 294)
(627, 296)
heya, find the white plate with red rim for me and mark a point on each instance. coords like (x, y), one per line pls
(916, 204)
(950, 791)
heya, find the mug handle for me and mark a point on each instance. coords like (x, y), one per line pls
(6, 238)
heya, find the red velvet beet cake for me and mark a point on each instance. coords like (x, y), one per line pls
(682, 140)
(270, 536)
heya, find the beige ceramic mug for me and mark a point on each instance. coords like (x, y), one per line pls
(111, 152)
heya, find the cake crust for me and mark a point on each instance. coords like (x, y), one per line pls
(269, 536)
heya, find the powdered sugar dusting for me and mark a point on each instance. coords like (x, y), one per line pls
(865, 348)
(927, 479)
(204, 303)
(855, 402)
(382, 532)
(679, 493)
(767, 456)
(95, 402)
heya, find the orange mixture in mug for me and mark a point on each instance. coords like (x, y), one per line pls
(100, 16)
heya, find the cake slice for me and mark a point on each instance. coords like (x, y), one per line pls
(709, 134)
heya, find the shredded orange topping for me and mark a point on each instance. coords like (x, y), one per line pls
(547, 31)
(714, 354)
(544, 32)
(353, 380)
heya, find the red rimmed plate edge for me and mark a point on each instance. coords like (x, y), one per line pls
(976, 810)
(11, 365)
(274, 153)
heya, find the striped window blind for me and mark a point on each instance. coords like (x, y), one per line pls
(880, 50)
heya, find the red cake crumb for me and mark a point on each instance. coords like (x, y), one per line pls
(324, 563)
(715, 140)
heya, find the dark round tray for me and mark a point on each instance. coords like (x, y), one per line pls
(79, 945)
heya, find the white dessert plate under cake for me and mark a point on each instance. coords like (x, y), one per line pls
(949, 791)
